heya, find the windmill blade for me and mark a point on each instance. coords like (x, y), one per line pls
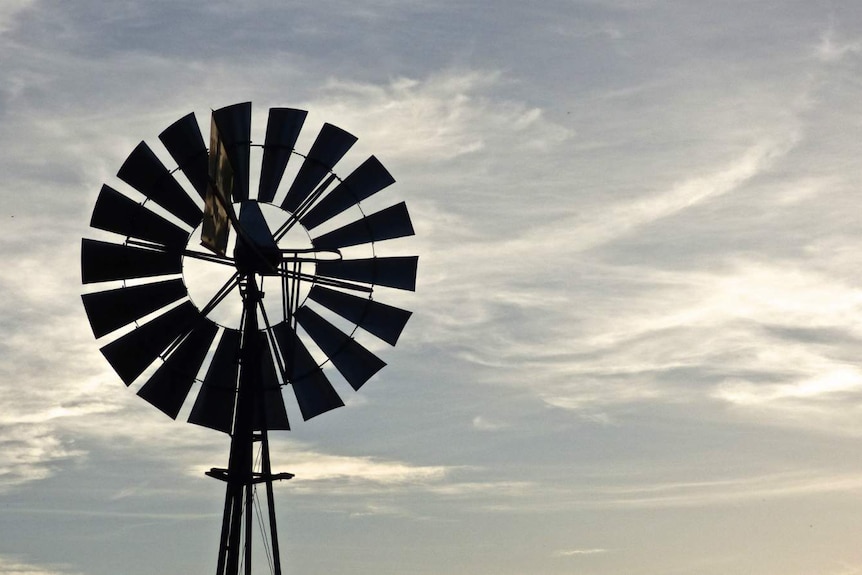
(270, 394)
(104, 261)
(132, 353)
(314, 393)
(117, 213)
(384, 321)
(215, 403)
(185, 143)
(234, 126)
(330, 146)
(169, 386)
(396, 272)
(365, 181)
(112, 309)
(282, 130)
(392, 222)
(145, 172)
(355, 363)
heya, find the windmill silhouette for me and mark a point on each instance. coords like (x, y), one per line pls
(227, 351)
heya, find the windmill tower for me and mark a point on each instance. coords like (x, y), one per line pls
(286, 285)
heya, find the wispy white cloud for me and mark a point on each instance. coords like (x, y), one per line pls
(656, 489)
(30, 453)
(311, 467)
(724, 491)
(436, 118)
(11, 565)
(832, 48)
(579, 552)
(483, 423)
(10, 10)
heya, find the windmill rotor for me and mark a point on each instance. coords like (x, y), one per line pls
(216, 295)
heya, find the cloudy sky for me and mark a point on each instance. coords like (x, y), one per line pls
(638, 321)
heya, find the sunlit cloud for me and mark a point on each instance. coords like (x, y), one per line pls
(311, 467)
(30, 453)
(10, 565)
(579, 552)
(724, 491)
(483, 423)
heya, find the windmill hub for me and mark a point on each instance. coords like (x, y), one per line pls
(203, 278)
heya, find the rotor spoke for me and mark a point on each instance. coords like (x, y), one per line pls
(222, 293)
(212, 258)
(331, 282)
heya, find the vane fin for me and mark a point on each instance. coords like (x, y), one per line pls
(282, 130)
(185, 143)
(314, 393)
(169, 386)
(132, 353)
(145, 172)
(384, 321)
(117, 213)
(353, 361)
(273, 400)
(366, 180)
(330, 146)
(396, 272)
(215, 403)
(105, 261)
(392, 222)
(112, 309)
(234, 126)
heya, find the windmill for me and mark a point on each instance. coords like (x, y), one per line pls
(289, 280)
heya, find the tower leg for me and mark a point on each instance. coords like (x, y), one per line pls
(240, 465)
(266, 469)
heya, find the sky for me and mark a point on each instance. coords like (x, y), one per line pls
(635, 338)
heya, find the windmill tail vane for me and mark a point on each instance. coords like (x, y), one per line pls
(179, 304)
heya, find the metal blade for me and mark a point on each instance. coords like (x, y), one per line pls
(132, 353)
(185, 143)
(330, 146)
(365, 181)
(282, 130)
(273, 401)
(169, 386)
(355, 363)
(145, 172)
(215, 403)
(384, 321)
(396, 272)
(116, 213)
(314, 393)
(104, 261)
(234, 126)
(392, 222)
(112, 309)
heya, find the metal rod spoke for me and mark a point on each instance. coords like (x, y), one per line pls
(222, 293)
(331, 282)
(302, 209)
(212, 258)
(270, 336)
